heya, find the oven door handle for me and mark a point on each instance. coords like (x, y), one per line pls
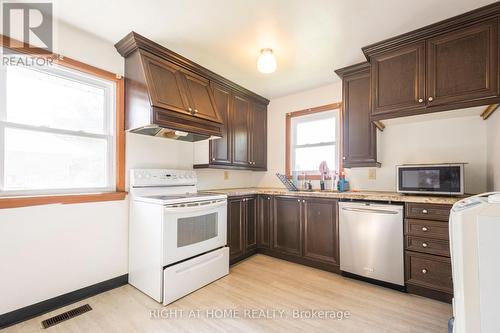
(193, 208)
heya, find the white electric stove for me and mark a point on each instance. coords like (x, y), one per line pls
(177, 236)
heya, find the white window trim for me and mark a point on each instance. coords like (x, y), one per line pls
(109, 135)
(312, 117)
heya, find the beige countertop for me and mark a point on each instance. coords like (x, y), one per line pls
(355, 195)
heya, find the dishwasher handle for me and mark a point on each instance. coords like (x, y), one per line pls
(371, 210)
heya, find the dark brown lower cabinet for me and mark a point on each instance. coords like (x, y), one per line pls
(321, 230)
(427, 251)
(241, 227)
(264, 220)
(305, 230)
(287, 225)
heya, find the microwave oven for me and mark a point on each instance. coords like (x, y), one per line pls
(440, 179)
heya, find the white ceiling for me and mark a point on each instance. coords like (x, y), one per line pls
(310, 38)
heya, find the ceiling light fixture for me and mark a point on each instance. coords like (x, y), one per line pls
(267, 62)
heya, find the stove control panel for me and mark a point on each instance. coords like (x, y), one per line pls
(161, 177)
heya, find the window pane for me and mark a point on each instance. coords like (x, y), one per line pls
(37, 160)
(309, 159)
(44, 99)
(315, 131)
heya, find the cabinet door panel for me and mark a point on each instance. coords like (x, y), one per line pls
(398, 80)
(321, 230)
(462, 64)
(360, 134)
(240, 120)
(220, 149)
(251, 223)
(264, 221)
(166, 80)
(200, 93)
(236, 229)
(259, 136)
(287, 228)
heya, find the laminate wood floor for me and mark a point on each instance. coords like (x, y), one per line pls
(244, 301)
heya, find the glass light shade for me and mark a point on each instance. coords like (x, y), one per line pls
(267, 62)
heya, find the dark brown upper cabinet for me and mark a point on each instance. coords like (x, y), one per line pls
(398, 80)
(258, 138)
(452, 64)
(220, 149)
(178, 90)
(462, 65)
(201, 98)
(245, 129)
(240, 122)
(166, 93)
(359, 144)
(161, 74)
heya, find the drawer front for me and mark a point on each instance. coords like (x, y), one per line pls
(427, 228)
(190, 275)
(428, 271)
(428, 211)
(428, 245)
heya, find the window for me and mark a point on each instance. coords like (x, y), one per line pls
(312, 138)
(59, 130)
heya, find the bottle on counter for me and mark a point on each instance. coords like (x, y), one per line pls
(343, 184)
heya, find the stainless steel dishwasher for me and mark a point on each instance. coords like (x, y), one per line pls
(371, 241)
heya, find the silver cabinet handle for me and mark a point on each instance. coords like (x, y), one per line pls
(213, 158)
(343, 157)
(424, 271)
(424, 229)
(424, 245)
(298, 200)
(424, 211)
(190, 109)
(195, 110)
(420, 100)
(430, 99)
(303, 201)
(268, 198)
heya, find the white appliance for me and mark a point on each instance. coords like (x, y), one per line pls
(177, 236)
(475, 249)
(371, 241)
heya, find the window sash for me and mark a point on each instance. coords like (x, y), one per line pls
(109, 133)
(313, 117)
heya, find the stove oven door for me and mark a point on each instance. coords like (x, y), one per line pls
(193, 228)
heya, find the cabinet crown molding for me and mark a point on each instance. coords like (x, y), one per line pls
(134, 41)
(356, 68)
(457, 22)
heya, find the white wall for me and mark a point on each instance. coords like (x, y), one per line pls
(151, 152)
(46, 251)
(493, 133)
(457, 136)
(277, 110)
(433, 138)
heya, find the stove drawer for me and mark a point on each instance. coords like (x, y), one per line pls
(190, 275)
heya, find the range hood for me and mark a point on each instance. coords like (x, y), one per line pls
(155, 130)
(167, 95)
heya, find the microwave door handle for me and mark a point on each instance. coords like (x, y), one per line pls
(195, 208)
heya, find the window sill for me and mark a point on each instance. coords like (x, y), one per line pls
(26, 201)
